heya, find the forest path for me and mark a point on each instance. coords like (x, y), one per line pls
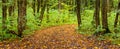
(58, 37)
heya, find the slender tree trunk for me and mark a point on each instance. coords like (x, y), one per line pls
(78, 12)
(47, 11)
(43, 10)
(96, 17)
(97, 13)
(34, 7)
(104, 17)
(116, 19)
(22, 5)
(4, 15)
(38, 5)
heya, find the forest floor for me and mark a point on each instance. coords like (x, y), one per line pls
(58, 37)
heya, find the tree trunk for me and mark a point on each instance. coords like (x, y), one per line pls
(78, 12)
(34, 7)
(43, 10)
(47, 11)
(4, 15)
(104, 17)
(97, 13)
(38, 5)
(22, 5)
(116, 19)
(96, 17)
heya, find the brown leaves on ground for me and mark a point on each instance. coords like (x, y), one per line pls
(59, 37)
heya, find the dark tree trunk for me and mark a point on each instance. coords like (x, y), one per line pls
(38, 5)
(4, 15)
(43, 10)
(34, 7)
(104, 17)
(78, 12)
(116, 19)
(96, 17)
(97, 13)
(22, 5)
(47, 11)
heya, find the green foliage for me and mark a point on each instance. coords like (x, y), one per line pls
(87, 27)
(56, 19)
(115, 3)
(99, 28)
(114, 37)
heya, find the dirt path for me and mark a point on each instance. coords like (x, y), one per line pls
(58, 37)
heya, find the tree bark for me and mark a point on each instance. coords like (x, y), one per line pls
(96, 17)
(43, 10)
(48, 11)
(4, 15)
(104, 17)
(38, 5)
(34, 7)
(22, 5)
(78, 12)
(97, 13)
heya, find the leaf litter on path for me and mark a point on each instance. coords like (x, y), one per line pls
(58, 37)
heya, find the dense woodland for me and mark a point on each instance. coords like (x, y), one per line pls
(94, 18)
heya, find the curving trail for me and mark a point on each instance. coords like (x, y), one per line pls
(58, 37)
